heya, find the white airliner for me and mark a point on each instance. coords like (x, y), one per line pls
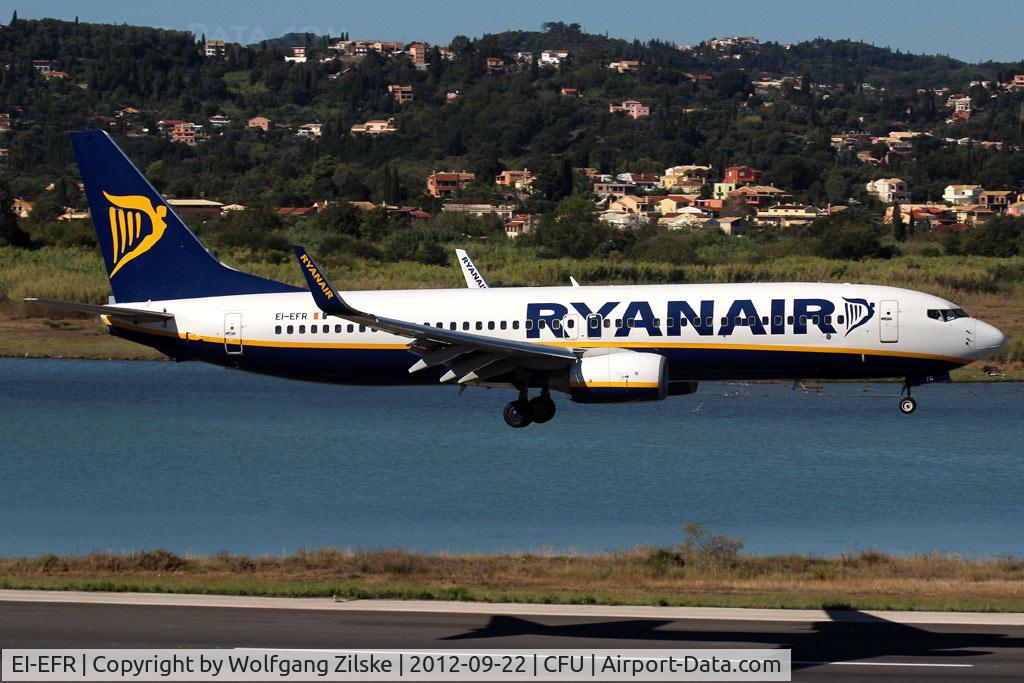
(596, 344)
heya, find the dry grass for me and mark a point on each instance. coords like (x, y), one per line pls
(865, 580)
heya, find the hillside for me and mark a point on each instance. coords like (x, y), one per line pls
(704, 109)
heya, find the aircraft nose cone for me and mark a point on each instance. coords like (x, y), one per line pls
(990, 338)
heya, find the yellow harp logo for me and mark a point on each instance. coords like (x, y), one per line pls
(128, 235)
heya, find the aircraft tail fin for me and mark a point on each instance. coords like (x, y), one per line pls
(149, 252)
(474, 278)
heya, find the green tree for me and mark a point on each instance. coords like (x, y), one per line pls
(573, 229)
(11, 234)
(899, 228)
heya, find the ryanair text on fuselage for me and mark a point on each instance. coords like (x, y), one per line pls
(780, 319)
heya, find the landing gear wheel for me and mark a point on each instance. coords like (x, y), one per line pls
(542, 409)
(907, 405)
(517, 414)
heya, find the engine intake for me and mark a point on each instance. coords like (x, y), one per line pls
(618, 376)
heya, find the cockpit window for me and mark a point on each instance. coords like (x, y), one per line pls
(947, 314)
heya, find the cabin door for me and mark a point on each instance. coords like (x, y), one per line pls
(571, 325)
(233, 334)
(889, 321)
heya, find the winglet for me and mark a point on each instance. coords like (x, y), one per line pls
(326, 297)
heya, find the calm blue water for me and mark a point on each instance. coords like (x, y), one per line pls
(124, 456)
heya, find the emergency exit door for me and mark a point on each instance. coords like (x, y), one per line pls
(889, 321)
(233, 333)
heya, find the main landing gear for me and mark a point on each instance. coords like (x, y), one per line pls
(522, 412)
(907, 404)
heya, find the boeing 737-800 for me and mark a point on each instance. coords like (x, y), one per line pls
(595, 343)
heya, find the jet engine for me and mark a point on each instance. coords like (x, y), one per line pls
(617, 376)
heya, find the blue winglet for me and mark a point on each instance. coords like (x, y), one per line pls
(325, 296)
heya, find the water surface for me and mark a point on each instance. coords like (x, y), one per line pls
(122, 456)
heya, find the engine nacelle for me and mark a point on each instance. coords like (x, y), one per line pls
(618, 376)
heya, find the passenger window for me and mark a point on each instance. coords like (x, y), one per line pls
(815, 319)
(789, 320)
(737, 321)
(349, 328)
(803, 320)
(302, 329)
(630, 323)
(465, 325)
(479, 325)
(362, 328)
(540, 324)
(764, 320)
(778, 320)
(696, 322)
(670, 322)
(607, 322)
(312, 329)
(708, 321)
(490, 324)
(657, 322)
(529, 324)
(515, 325)
(618, 323)
(828, 320)
(453, 326)
(725, 321)
(337, 329)
(570, 323)
(556, 324)
(277, 329)
(841, 319)
(291, 329)
(594, 322)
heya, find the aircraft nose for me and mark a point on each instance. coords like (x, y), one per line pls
(990, 338)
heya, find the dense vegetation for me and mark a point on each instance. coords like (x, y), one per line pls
(514, 119)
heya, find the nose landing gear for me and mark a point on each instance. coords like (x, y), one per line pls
(907, 404)
(523, 412)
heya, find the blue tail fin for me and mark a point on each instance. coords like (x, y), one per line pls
(149, 252)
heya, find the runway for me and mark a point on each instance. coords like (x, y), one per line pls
(831, 646)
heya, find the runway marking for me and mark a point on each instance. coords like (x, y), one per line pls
(516, 609)
(918, 664)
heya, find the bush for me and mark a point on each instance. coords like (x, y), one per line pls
(700, 544)
(851, 235)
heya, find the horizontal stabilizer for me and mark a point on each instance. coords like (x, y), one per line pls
(137, 314)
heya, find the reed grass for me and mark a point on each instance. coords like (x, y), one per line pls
(868, 579)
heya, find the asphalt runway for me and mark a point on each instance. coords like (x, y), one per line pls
(826, 646)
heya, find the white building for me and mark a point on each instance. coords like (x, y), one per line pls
(962, 194)
(889, 190)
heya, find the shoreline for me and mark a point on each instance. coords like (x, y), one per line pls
(646, 576)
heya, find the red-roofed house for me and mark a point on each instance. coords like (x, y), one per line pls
(447, 184)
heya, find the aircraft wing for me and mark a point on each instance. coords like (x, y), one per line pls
(134, 314)
(469, 357)
(474, 278)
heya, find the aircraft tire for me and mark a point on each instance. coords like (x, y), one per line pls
(907, 405)
(542, 409)
(517, 414)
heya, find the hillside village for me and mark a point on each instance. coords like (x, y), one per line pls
(876, 169)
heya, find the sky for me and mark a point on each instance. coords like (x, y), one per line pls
(968, 30)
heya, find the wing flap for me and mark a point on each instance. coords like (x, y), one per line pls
(135, 314)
